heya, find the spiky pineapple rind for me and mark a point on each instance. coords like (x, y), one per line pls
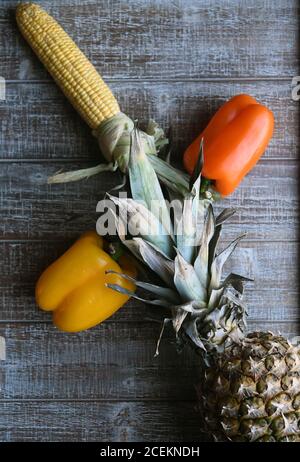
(252, 391)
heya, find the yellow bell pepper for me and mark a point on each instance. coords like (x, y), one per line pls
(74, 286)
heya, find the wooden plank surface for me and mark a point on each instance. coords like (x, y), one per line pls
(159, 39)
(111, 362)
(272, 265)
(38, 122)
(265, 304)
(99, 421)
(177, 62)
(266, 202)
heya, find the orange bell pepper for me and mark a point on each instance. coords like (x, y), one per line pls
(74, 286)
(234, 140)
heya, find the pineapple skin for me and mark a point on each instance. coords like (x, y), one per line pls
(251, 391)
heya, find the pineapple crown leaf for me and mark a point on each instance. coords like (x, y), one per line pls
(167, 301)
(141, 220)
(210, 313)
(192, 332)
(186, 280)
(220, 260)
(201, 263)
(130, 293)
(196, 174)
(225, 215)
(156, 261)
(178, 317)
(165, 322)
(165, 292)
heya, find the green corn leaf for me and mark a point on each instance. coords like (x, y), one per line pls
(144, 183)
(84, 173)
(170, 175)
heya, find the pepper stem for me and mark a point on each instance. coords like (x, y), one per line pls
(115, 250)
(205, 185)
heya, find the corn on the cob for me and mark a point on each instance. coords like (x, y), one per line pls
(92, 98)
(69, 67)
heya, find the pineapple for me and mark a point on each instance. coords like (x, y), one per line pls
(251, 391)
(250, 387)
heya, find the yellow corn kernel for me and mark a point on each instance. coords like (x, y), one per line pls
(69, 67)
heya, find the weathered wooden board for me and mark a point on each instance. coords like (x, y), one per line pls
(177, 62)
(102, 421)
(159, 39)
(273, 264)
(265, 304)
(37, 122)
(272, 295)
(266, 202)
(112, 361)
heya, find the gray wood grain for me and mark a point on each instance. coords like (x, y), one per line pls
(159, 39)
(177, 62)
(110, 362)
(113, 361)
(266, 202)
(37, 122)
(99, 421)
(272, 295)
(266, 304)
